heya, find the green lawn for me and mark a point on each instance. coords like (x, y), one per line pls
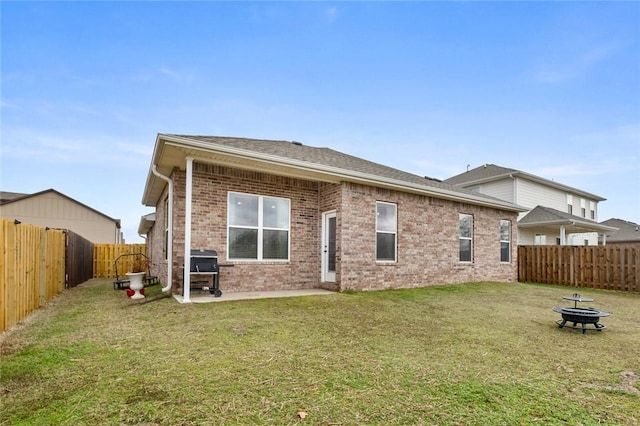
(485, 354)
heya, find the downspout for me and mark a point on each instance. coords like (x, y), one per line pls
(155, 171)
(186, 281)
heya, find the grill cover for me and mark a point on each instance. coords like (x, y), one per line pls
(204, 260)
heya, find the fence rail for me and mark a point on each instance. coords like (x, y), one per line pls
(611, 267)
(104, 256)
(32, 269)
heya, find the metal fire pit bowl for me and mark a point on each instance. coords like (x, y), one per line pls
(582, 316)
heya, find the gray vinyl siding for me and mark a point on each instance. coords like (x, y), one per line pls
(502, 189)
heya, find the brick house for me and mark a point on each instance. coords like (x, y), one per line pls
(291, 216)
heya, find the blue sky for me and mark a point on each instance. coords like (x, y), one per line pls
(549, 88)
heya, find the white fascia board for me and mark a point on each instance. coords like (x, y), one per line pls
(342, 174)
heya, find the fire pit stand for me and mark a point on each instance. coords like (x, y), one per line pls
(581, 316)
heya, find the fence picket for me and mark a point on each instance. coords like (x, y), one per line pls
(29, 265)
(104, 256)
(603, 267)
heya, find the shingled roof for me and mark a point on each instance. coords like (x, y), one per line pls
(299, 160)
(481, 174)
(544, 216)
(322, 156)
(628, 232)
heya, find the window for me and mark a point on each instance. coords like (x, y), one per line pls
(386, 230)
(258, 227)
(569, 204)
(583, 208)
(505, 241)
(465, 227)
(592, 208)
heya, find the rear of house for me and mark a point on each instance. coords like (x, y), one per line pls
(290, 216)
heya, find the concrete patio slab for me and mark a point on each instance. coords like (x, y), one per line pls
(205, 297)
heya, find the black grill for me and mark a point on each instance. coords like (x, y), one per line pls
(205, 262)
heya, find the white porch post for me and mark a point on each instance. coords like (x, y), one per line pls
(563, 238)
(186, 282)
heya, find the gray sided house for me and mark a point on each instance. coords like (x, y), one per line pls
(555, 213)
(292, 216)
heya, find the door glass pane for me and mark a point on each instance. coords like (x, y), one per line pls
(331, 243)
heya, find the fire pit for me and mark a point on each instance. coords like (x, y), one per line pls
(581, 316)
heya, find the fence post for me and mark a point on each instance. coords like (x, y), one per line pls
(42, 266)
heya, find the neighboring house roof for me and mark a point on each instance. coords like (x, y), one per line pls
(491, 172)
(628, 232)
(22, 197)
(541, 217)
(8, 196)
(297, 160)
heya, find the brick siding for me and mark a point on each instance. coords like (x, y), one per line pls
(427, 234)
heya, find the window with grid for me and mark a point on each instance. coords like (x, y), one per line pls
(258, 227)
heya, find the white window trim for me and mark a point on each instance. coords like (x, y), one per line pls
(395, 233)
(508, 241)
(460, 237)
(260, 228)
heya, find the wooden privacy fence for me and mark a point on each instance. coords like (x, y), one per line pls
(78, 259)
(611, 267)
(104, 256)
(32, 269)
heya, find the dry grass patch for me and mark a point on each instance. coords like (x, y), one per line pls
(486, 353)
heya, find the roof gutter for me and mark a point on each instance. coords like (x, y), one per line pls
(341, 173)
(570, 222)
(155, 171)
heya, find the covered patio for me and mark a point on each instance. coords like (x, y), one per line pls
(551, 222)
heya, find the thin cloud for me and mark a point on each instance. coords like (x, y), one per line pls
(331, 14)
(578, 64)
(176, 75)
